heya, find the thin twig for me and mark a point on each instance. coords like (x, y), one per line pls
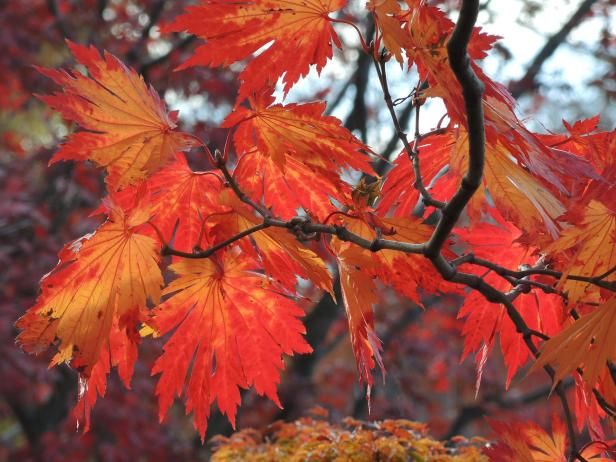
(504, 272)
(168, 250)
(418, 183)
(414, 158)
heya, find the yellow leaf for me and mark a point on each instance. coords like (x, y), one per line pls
(104, 276)
(127, 129)
(593, 243)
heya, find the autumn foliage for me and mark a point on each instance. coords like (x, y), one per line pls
(523, 225)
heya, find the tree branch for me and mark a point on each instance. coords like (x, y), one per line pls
(180, 45)
(167, 250)
(527, 82)
(505, 272)
(472, 89)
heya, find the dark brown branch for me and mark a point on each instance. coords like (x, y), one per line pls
(527, 82)
(167, 250)
(505, 272)
(220, 164)
(100, 7)
(472, 89)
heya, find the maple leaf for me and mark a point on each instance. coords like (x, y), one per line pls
(181, 201)
(102, 278)
(386, 17)
(519, 196)
(587, 343)
(300, 131)
(359, 269)
(232, 325)
(299, 142)
(587, 249)
(286, 192)
(584, 140)
(484, 321)
(299, 33)
(127, 129)
(359, 294)
(527, 442)
(587, 411)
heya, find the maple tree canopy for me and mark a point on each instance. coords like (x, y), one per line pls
(522, 224)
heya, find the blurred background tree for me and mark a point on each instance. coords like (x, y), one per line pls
(558, 59)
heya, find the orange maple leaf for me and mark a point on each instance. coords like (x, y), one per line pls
(359, 268)
(527, 442)
(286, 192)
(294, 142)
(588, 249)
(102, 278)
(386, 15)
(359, 294)
(232, 325)
(300, 131)
(587, 343)
(127, 129)
(299, 33)
(520, 197)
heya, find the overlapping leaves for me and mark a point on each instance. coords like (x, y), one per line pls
(231, 317)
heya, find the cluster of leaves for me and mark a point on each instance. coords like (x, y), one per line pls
(310, 439)
(536, 240)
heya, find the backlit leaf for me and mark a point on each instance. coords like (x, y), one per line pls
(298, 33)
(232, 328)
(102, 278)
(126, 127)
(587, 343)
(589, 250)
